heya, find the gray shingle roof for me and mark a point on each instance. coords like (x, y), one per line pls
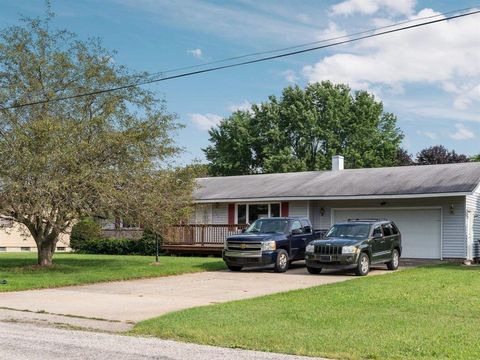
(407, 180)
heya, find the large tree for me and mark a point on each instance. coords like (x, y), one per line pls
(438, 154)
(86, 155)
(302, 129)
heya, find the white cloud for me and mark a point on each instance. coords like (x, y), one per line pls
(244, 106)
(428, 134)
(447, 52)
(462, 133)
(205, 121)
(332, 32)
(291, 76)
(465, 94)
(196, 53)
(369, 7)
(273, 22)
(437, 109)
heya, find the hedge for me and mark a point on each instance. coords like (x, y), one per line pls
(142, 246)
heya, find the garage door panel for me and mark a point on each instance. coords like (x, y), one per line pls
(420, 228)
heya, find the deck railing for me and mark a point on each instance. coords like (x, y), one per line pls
(200, 234)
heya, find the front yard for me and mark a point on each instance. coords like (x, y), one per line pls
(74, 269)
(422, 313)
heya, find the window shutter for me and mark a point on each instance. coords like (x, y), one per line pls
(231, 214)
(284, 210)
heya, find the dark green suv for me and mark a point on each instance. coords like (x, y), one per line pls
(355, 245)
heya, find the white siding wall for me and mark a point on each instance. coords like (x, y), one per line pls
(473, 204)
(220, 213)
(298, 208)
(454, 230)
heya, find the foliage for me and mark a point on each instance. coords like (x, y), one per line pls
(423, 313)
(404, 158)
(157, 201)
(64, 160)
(439, 155)
(84, 230)
(111, 246)
(302, 130)
(21, 273)
(475, 158)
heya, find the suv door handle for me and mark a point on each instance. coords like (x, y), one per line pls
(304, 239)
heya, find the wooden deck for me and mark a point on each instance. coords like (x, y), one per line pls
(202, 239)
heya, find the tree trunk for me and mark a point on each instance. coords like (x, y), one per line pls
(46, 249)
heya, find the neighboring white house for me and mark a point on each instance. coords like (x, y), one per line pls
(436, 207)
(15, 237)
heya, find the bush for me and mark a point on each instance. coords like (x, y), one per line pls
(84, 230)
(142, 246)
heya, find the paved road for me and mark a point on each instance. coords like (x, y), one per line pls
(27, 342)
(125, 302)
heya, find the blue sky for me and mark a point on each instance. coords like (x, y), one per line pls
(428, 77)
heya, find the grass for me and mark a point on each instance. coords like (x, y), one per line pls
(422, 313)
(74, 269)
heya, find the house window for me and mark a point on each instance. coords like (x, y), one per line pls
(3, 248)
(60, 248)
(24, 249)
(248, 213)
(242, 214)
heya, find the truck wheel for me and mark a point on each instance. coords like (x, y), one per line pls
(234, 268)
(393, 264)
(313, 270)
(363, 265)
(281, 265)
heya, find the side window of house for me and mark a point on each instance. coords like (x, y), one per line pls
(387, 229)
(296, 226)
(377, 232)
(307, 229)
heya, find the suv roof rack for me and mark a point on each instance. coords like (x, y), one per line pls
(369, 219)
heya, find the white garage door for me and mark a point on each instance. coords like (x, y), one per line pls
(421, 229)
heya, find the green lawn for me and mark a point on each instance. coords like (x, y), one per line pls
(73, 269)
(422, 313)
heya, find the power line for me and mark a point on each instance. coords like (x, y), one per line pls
(291, 53)
(238, 57)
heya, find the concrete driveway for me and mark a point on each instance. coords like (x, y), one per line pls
(116, 306)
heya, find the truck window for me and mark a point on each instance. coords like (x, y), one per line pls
(394, 228)
(377, 232)
(387, 230)
(307, 229)
(296, 225)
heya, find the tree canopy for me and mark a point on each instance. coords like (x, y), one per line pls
(302, 130)
(438, 154)
(89, 155)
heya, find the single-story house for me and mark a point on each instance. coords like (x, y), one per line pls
(15, 237)
(436, 207)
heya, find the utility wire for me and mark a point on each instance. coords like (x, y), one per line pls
(291, 53)
(238, 57)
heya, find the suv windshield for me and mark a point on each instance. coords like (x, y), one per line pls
(351, 231)
(268, 226)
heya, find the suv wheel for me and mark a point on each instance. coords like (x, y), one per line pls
(234, 268)
(313, 270)
(393, 264)
(363, 266)
(281, 265)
